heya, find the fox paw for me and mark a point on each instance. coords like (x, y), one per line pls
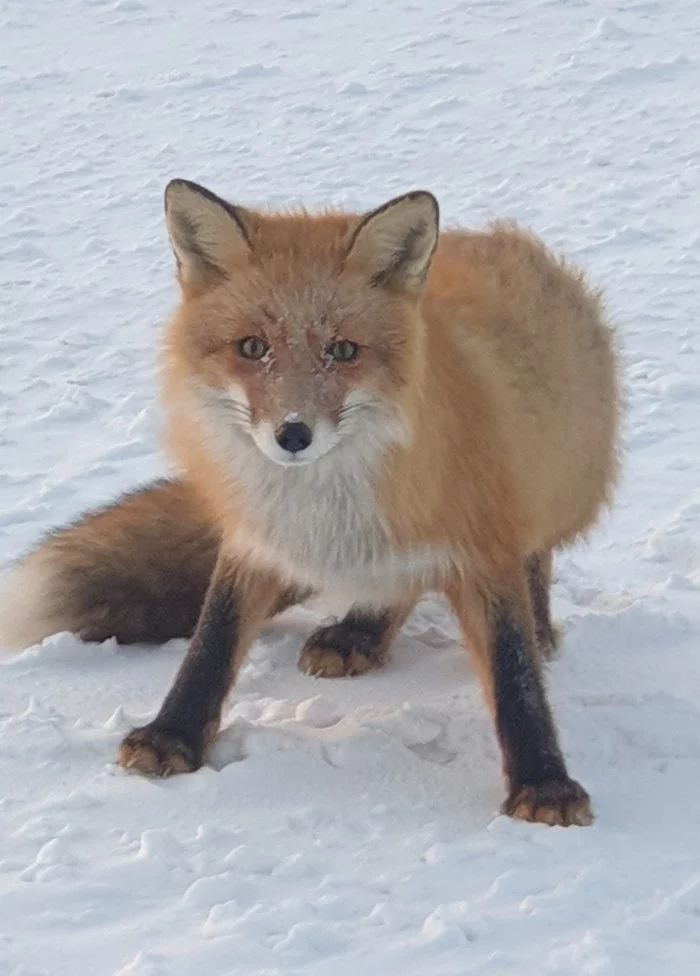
(339, 650)
(157, 752)
(562, 803)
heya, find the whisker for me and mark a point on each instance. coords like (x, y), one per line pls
(235, 412)
(234, 406)
(351, 408)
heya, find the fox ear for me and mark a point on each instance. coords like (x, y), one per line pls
(207, 233)
(394, 244)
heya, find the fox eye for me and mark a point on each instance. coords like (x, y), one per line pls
(252, 347)
(343, 351)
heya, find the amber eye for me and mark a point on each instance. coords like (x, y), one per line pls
(343, 351)
(253, 347)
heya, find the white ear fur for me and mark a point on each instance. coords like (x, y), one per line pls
(208, 234)
(394, 244)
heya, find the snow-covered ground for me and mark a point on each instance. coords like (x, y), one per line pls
(349, 826)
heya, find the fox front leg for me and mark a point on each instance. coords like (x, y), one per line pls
(176, 741)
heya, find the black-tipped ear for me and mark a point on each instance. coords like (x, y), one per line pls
(208, 234)
(394, 245)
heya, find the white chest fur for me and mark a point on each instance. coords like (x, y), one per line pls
(320, 524)
(320, 521)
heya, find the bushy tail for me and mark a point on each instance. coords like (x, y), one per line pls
(136, 570)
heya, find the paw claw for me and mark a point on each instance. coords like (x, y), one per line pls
(325, 662)
(337, 652)
(155, 752)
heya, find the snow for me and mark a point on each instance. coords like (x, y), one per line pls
(351, 825)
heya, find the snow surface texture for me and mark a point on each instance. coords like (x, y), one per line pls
(349, 826)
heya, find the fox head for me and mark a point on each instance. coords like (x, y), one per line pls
(302, 331)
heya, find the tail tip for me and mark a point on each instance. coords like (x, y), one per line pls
(25, 619)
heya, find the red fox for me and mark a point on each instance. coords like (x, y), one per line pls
(362, 409)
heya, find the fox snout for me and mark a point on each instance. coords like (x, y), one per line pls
(295, 442)
(294, 436)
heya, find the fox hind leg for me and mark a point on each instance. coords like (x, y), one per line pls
(538, 569)
(358, 643)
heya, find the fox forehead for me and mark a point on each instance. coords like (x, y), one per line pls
(299, 298)
(294, 277)
(293, 271)
(299, 235)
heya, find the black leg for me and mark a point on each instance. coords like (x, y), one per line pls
(539, 785)
(498, 628)
(176, 741)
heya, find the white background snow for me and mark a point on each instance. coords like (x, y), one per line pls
(349, 826)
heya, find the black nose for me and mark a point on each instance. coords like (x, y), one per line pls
(294, 437)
